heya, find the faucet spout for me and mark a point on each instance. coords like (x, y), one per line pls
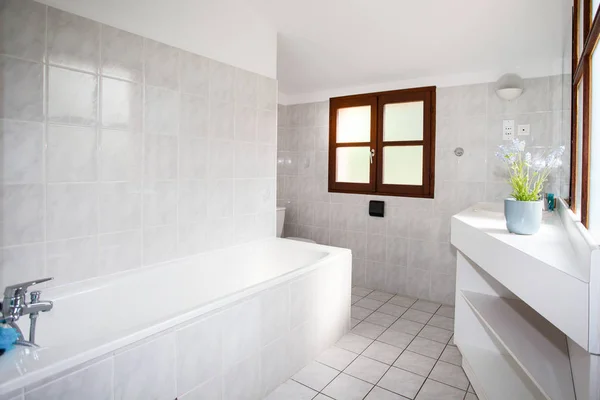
(34, 308)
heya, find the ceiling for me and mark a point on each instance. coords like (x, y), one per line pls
(330, 44)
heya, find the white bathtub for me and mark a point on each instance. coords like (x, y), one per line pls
(270, 292)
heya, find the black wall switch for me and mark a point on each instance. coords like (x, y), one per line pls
(376, 208)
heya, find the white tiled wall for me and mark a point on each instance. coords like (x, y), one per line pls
(408, 251)
(119, 151)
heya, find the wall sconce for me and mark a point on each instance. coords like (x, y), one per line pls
(509, 86)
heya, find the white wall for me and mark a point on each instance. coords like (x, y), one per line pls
(224, 30)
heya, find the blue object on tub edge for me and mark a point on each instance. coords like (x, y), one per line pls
(8, 337)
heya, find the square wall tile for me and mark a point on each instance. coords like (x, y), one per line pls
(239, 344)
(73, 41)
(161, 111)
(194, 115)
(160, 244)
(71, 210)
(222, 81)
(22, 147)
(160, 203)
(194, 73)
(246, 88)
(120, 207)
(93, 382)
(243, 380)
(160, 157)
(267, 94)
(122, 54)
(220, 198)
(198, 353)
(72, 260)
(72, 97)
(23, 29)
(221, 122)
(22, 83)
(121, 105)
(193, 201)
(147, 371)
(71, 154)
(161, 65)
(191, 239)
(245, 123)
(22, 263)
(193, 157)
(23, 214)
(119, 251)
(221, 159)
(120, 156)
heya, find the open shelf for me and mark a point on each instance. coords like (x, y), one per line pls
(538, 347)
(497, 376)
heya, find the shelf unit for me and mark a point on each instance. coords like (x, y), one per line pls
(524, 306)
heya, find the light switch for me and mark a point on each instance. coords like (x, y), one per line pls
(523, 130)
(508, 129)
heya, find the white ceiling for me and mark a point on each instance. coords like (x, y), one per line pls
(325, 45)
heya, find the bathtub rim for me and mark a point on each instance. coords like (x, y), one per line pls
(62, 366)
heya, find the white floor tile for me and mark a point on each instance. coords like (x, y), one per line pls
(417, 316)
(354, 343)
(380, 296)
(346, 387)
(368, 330)
(354, 322)
(359, 312)
(450, 374)
(354, 299)
(359, 291)
(427, 306)
(433, 390)
(402, 301)
(426, 347)
(395, 338)
(451, 355)
(442, 322)
(337, 358)
(416, 363)
(382, 319)
(381, 394)
(366, 369)
(382, 352)
(446, 311)
(291, 390)
(435, 333)
(321, 396)
(404, 325)
(392, 309)
(402, 382)
(315, 375)
(471, 396)
(369, 304)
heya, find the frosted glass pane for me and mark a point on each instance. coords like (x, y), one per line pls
(595, 4)
(594, 204)
(403, 121)
(403, 165)
(353, 164)
(579, 149)
(354, 124)
(580, 30)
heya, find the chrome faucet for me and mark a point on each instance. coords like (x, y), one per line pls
(14, 306)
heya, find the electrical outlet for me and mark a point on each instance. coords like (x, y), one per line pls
(523, 130)
(508, 129)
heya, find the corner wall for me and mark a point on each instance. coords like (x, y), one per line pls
(408, 251)
(121, 152)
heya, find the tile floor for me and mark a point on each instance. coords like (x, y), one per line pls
(399, 348)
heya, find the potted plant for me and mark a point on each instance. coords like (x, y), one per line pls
(527, 176)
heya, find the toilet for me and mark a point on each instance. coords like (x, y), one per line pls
(280, 221)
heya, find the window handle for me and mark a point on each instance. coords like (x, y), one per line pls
(372, 155)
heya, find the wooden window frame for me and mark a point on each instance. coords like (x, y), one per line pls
(581, 67)
(377, 101)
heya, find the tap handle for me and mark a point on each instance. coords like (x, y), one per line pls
(21, 288)
(35, 296)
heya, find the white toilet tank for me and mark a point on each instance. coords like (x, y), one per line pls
(280, 220)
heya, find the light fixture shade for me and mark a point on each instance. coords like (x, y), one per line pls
(509, 86)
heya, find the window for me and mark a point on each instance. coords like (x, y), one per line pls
(585, 117)
(383, 143)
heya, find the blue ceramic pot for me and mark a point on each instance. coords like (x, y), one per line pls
(523, 217)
